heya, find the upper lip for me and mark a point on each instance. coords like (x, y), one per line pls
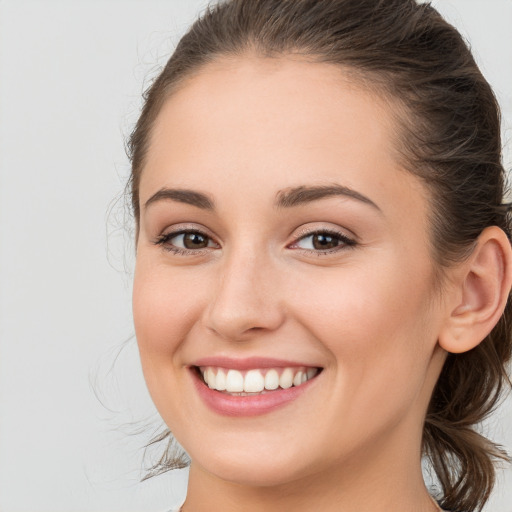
(249, 363)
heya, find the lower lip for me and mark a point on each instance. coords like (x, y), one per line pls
(252, 405)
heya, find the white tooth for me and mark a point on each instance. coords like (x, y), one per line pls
(297, 380)
(312, 372)
(234, 382)
(254, 381)
(209, 378)
(220, 381)
(271, 380)
(304, 377)
(286, 379)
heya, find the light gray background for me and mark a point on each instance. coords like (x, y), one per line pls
(71, 401)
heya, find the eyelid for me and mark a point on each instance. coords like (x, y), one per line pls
(318, 227)
(186, 227)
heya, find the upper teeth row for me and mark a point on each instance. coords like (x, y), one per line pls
(255, 381)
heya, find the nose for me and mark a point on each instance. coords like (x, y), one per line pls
(247, 299)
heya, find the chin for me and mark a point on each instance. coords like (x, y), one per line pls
(266, 473)
(258, 465)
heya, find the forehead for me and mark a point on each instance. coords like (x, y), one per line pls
(256, 98)
(260, 122)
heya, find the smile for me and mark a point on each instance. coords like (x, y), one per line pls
(255, 381)
(252, 386)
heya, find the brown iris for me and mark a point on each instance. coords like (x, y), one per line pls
(324, 241)
(195, 241)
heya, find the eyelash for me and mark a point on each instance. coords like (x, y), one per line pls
(164, 242)
(345, 242)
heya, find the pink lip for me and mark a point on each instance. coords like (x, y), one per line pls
(247, 363)
(252, 405)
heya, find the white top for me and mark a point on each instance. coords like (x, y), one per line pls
(178, 507)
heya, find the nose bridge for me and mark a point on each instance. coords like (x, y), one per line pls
(246, 299)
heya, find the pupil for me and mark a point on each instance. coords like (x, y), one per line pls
(195, 241)
(325, 242)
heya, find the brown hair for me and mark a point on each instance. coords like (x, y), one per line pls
(450, 138)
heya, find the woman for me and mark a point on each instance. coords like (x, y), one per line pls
(323, 257)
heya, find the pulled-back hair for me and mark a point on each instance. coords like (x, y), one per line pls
(449, 137)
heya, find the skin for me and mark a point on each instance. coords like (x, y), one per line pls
(370, 314)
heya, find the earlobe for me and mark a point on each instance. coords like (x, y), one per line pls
(482, 289)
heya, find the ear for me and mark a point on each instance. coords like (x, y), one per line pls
(482, 286)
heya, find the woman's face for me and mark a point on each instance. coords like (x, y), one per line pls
(281, 241)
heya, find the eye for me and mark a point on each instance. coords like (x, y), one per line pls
(191, 240)
(324, 241)
(186, 241)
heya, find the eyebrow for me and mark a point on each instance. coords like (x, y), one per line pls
(191, 197)
(288, 198)
(301, 195)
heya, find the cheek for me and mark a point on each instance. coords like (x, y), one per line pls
(165, 309)
(366, 303)
(164, 305)
(378, 323)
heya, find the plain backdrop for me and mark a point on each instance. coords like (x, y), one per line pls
(74, 412)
